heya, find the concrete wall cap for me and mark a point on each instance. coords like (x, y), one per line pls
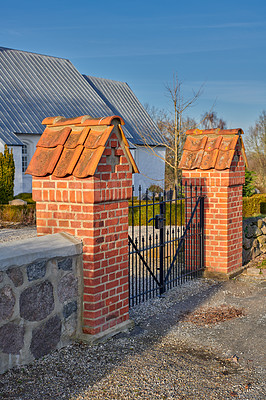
(26, 251)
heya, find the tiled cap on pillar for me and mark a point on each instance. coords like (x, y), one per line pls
(74, 147)
(211, 149)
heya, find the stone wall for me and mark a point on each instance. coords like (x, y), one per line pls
(254, 238)
(40, 292)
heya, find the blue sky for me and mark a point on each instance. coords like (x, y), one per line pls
(219, 44)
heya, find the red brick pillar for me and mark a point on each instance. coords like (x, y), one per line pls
(94, 209)
(223, 202)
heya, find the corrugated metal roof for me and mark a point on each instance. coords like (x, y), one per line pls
(10, 139)
(122, 101)
(34, 86)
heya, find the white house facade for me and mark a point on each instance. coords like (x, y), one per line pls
(36, 86)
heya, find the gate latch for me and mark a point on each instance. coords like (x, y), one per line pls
(159, 218)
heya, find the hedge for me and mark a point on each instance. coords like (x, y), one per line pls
(254, 205)
(25, 214)
(175, 211)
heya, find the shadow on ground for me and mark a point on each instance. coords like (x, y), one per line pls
(164, 356)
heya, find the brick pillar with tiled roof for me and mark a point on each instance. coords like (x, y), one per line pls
(216, 159)
(82, 181)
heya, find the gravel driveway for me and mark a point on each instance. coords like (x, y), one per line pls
(169, 354)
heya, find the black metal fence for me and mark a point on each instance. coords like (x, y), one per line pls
(166, 241)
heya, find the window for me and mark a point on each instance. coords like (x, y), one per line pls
(24, 157)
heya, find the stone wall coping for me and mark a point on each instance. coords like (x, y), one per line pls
(27, 251)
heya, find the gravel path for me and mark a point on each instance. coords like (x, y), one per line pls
(165, 356)
(7, 235)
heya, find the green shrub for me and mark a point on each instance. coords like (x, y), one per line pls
(7, 174)
(248, 187)
(172, 214)
(252, 205)
(23, 214)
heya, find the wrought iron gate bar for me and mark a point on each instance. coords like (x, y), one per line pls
(160, 262)
(183, 238)
(143, 260)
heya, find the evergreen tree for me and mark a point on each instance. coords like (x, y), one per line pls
(7, 175)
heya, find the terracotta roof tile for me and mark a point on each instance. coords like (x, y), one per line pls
(53, 137)
(44, 161)
(74, 146)
(216, 131)
(67, 161)
(224, 159)
(82, 120)
(213, 143)
(77, 137)
(88, 162)
(98, 138)
(208, 159)
(211, 148)
(191, 159)
(194, 143)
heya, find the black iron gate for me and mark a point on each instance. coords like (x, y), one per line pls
(166, 240)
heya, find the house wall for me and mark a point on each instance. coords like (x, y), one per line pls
(18, 167)
(18, 184)
(151, 167)
(25, 181)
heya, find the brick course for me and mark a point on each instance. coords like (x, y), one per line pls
(223, 213)
(94, 209)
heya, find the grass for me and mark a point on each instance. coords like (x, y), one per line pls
(262, 265)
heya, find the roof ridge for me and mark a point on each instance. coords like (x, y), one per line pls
(31, 52)
(105, 79)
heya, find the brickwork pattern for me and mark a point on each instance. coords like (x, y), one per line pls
(94, 209)
(223, 213)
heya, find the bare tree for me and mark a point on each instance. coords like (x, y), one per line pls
(174, 124)
(256, 150)
(210, 120)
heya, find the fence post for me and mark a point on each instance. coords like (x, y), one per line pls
(162, 246)
(215, 160)
(86, 194)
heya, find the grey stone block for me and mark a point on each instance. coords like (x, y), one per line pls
(67, 287)
(11, 338)
(37, 301)
(263, 248)
(1, 276)
(69, 309)
(36, 270)
(255, 252)
(15, 275)
(262, 239)
(46, 337)
(259, 223)
(65, 265)
(247, 243)
(7, 302)
(17, 202)
(252, 231)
